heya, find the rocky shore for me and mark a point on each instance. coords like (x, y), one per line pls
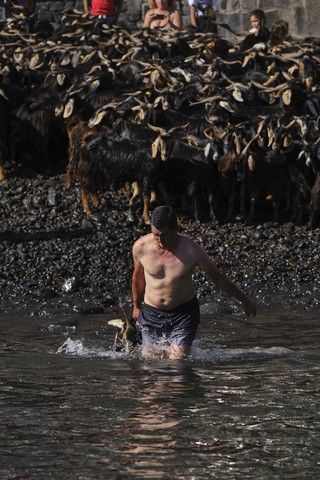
(53, 258)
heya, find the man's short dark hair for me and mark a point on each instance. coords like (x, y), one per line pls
(164, 217)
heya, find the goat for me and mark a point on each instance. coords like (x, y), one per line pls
(104, 161)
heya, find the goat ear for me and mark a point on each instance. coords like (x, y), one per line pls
(271, 67)
(155, 147)
(293, 69)
(117, 322)
(246, 60)
(251, 163)
(287, 141)
(61, 78)
(237, 95)
(226, 106)
(237, 142)
(68, 109)
(58, 110)
(207, 150)
(286, 76)
(93, 122)
(2, 94)
(270, 136)
(163, 149)
(157, 101)
(65, 61)
(286, 96)
(34, 61)
(260, 126)
(18, 57)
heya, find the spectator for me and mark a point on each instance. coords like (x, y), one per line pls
(105, 9)
(152, 4)
(202, 15)
(258, 33)
(164, 16)
(279, 32)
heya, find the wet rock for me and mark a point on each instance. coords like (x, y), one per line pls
(52, 200)
(71, 285)
(258, 259)
(85, 309)
(47, 293)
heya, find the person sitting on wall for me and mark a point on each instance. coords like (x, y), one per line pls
(258, 33)
(202, 16)
(164, 16)
(152, 4)
(279, 32)
(107, 10)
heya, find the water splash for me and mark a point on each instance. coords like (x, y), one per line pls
(78, 349)
(215, 353)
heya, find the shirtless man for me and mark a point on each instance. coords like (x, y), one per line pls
(163, 293)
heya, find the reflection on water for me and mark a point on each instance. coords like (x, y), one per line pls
(246, 404)
(152, 428)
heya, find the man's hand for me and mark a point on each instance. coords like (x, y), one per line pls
(136, 313)
(249, 307)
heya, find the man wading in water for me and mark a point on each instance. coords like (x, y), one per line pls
(164, 298)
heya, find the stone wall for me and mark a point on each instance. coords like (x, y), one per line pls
(302, 15)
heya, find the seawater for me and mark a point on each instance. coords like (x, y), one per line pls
(245, 405)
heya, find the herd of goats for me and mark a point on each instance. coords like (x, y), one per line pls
(181, 118)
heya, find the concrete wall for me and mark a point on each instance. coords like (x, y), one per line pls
(303, 15)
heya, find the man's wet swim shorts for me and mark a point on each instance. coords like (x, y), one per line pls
(178, 326)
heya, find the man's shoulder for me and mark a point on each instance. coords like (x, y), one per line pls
(190, 245)
(141, 243)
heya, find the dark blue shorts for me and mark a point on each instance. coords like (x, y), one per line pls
(178, 326)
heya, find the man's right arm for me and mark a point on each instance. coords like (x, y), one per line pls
(138, 284)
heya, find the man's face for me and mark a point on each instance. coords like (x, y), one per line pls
(255, 22)
(163, 236)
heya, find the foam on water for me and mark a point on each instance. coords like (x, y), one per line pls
(213, 354)
(218, 354)
(78, 349)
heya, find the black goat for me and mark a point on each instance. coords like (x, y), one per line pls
(105, 162)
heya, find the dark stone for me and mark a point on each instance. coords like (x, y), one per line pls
(45, 16)
(47, 293)
(88, 309)
(56, 6)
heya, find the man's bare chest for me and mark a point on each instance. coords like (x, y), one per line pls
(167, 266)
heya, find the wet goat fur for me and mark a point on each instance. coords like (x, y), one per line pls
(104, 162)
(127, 336)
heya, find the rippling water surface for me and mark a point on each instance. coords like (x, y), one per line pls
(246, 404)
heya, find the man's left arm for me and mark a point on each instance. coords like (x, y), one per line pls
(223, 282)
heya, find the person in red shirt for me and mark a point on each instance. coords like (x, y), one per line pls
(104, 9)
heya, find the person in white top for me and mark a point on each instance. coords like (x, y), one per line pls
(202, 15)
